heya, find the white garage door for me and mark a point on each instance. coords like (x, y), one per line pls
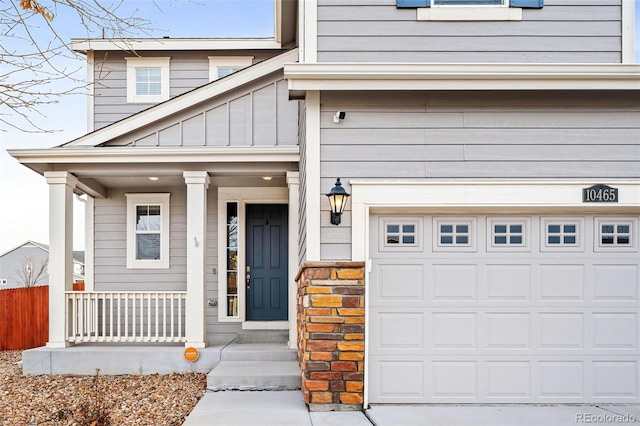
(504, 309)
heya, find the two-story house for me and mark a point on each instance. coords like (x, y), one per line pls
(489, 250)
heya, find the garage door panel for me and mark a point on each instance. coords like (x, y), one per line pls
(508, 330)
(615, 379)
(548, 324)
(615, 282)
(399, 283)
(562, 282)
(508, 379)
(508, 282)
(454, 379)
(400, 330)
(615, 330)
(561, 330)
(562, 379)
(454, 282)
(454, 330)
(399, 379)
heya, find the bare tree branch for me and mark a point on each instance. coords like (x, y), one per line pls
(37, 66)
(29, 273)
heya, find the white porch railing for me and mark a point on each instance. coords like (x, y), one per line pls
(126, 316)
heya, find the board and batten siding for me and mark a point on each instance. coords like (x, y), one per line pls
(110, 246)
(483, 135)
(188, 70)
(563, 31)
(259, 114)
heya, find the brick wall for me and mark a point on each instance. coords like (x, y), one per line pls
(331, 334)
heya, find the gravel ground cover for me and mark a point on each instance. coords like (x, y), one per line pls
(95, 400)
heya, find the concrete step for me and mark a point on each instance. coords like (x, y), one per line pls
(258, 352)
(254, 375)
(263, 336)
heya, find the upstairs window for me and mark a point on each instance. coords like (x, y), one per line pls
(469, 10)
(222, 66)
(435, 3)
(147, 80)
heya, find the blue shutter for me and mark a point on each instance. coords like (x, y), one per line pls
(532, 4)
(413, 3)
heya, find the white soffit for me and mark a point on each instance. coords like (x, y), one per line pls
(454, 76)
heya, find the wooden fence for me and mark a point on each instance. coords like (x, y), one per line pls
(24, 317)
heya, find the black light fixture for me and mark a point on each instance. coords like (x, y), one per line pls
(337, 200)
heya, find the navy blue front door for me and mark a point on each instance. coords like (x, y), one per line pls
(267, 265)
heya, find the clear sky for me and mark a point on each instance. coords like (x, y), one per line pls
(24, 194)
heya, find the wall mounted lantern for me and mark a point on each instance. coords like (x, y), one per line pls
(337, 200)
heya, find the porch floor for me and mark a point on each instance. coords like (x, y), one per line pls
(113, 359)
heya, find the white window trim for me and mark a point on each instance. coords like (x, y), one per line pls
(562, 220)
(159, 62)
(617, 220)
(471, 222)
(469, 13)
(134, 200)
(397, 220)
(216, 62)
(526, 233)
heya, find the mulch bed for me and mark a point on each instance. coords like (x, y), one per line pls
(95, 400)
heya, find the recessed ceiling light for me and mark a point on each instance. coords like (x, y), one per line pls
(154, 178)
(267, 177)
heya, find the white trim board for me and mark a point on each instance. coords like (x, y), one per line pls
(463, 76)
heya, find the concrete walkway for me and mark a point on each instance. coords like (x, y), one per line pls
(266, 408)
(287, 408)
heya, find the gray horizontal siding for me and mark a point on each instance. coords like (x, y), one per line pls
(513, 135)
(566, 31)
(110, 246)
(259, 114)
(188, 70)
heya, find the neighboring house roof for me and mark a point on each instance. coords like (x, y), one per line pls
(78, 256)
(44, 247)
(172, 44)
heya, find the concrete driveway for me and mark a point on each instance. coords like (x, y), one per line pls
(503, 415)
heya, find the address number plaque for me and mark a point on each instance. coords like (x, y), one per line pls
(600, 194)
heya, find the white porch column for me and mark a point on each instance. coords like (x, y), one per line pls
(195, 321)
(61, 185)
(293, 180)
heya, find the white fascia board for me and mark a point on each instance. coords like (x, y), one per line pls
(109, 155)
(452, 76)
(154, 44)
(187, 100)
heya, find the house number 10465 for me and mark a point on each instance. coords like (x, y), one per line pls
(600, 194)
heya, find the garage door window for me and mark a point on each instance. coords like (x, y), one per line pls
(615, 234)
(454, 234)
(559, 233)
(507, 234)
(400, 233)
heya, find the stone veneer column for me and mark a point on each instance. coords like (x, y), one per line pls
(331, 334)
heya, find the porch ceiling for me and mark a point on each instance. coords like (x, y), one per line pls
(99, 169)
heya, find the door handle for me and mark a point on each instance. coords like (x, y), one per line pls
(248, 277)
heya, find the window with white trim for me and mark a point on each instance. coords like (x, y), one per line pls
(222, 66)
(147, 231)
(147, 80)
(615, 234)
(454, 233)
(561, 233)
(439, 3)
(400, 233)
(508, 233)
